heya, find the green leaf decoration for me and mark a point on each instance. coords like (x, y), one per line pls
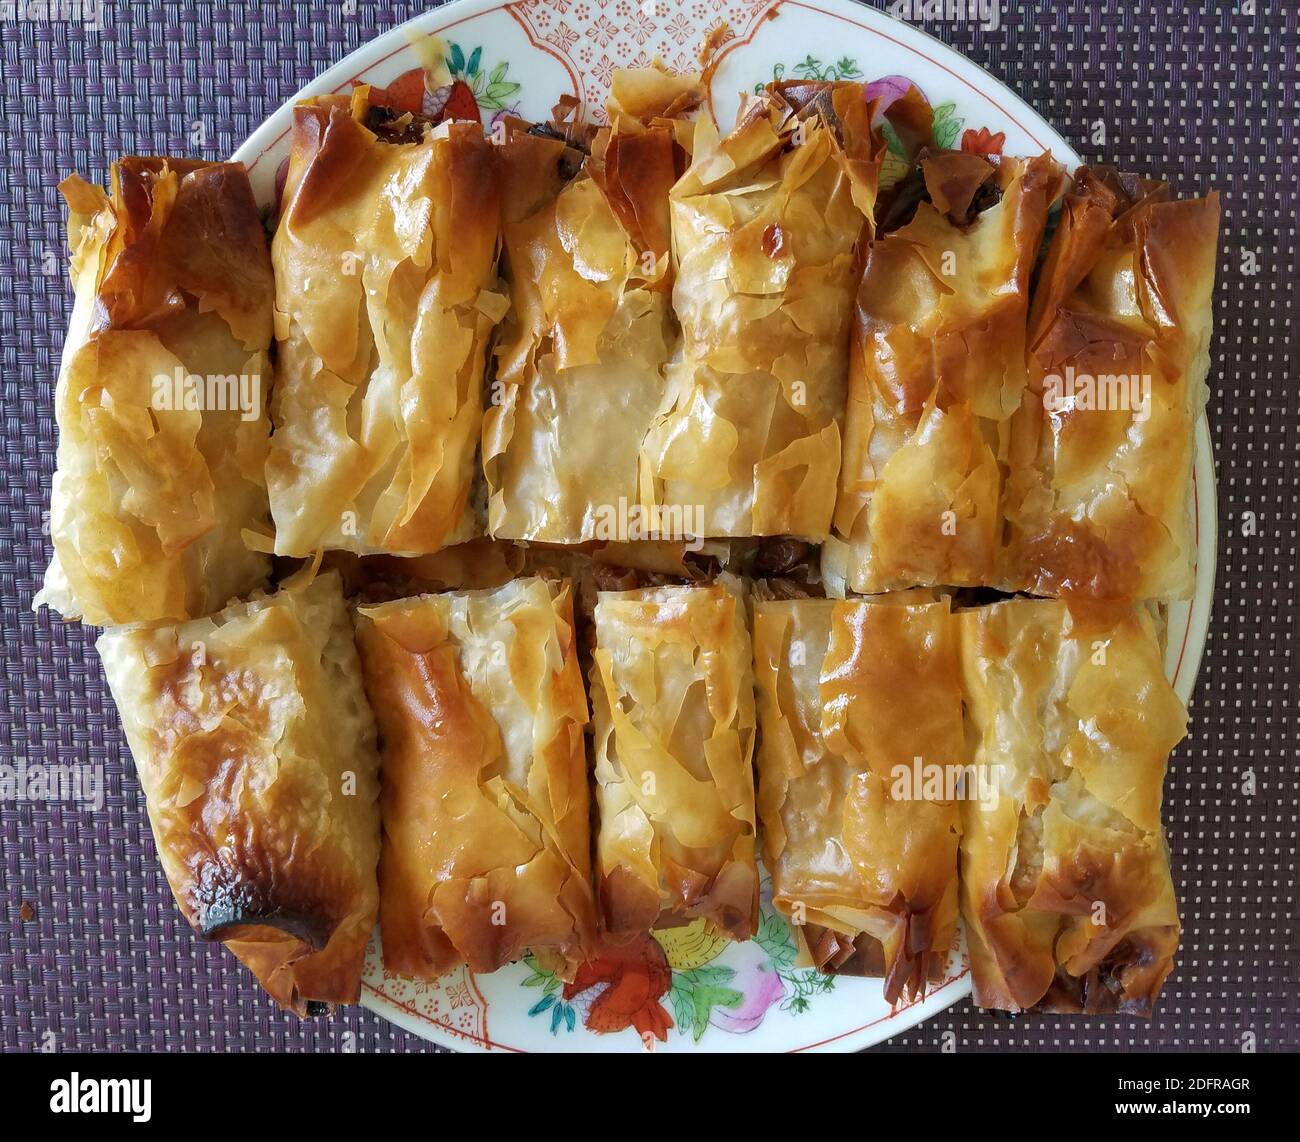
(707, 976)
(535, 980)
(946, 125)
(773, 936)
(491, 91)
(683, 1005)
(810, 68)
(541, 1005)
(894, 143)
(803, 985)
(705, 998)
(697, 992)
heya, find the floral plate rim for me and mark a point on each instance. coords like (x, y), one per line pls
(487, 81)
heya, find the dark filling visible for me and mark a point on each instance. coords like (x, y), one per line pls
(396, 127)
(897, 207)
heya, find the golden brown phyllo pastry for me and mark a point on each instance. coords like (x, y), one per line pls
(580, 366)
(385, 263)
(487, 847)
(937, 367)
(673, 709)
(766, 225)
(161, 398)
(861, 754)
(256, 751)
(1066, 891)
(1099, 500)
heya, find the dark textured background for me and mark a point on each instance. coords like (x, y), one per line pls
(1202, 94)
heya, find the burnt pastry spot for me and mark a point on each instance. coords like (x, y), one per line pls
(241, 907)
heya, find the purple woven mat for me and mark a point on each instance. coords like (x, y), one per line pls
(1201, 94)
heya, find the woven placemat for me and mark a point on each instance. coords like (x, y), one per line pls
(93, 954)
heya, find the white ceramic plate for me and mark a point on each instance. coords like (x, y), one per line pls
(519, 58)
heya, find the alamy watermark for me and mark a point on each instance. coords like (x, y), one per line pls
(82, 784)
(180, 391)
(78, 1095)
(87, 12)
(930, 781)
(629, 523)
(1106, 392)
(986, 13)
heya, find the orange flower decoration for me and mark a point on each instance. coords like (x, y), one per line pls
(981, 142)
(638, 976)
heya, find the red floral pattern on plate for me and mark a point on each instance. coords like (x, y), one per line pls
(592, 38)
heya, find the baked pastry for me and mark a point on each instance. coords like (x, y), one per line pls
(161, 397)
(385, 270)
(937, 367)
(1099, 498)
(734, 375)
(766, 226)
(1066, 891)
(486, 841)
(580, 363)
(673, 712)
(256, 751)
(861, 757)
